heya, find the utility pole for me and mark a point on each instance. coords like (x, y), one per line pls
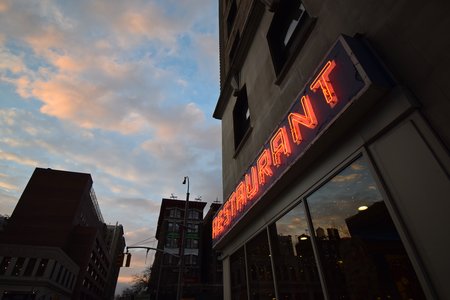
(183, 236)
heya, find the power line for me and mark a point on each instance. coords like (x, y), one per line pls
(140, 242)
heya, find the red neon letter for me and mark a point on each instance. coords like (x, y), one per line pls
(227, 213)
(263, 164)
(232, 201)
(251, 183)
(217, 229)
(323, 81)
(214, 230)
(295, 120)
(280, 144)
(241, 196)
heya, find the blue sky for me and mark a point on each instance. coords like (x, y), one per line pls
(123, 90)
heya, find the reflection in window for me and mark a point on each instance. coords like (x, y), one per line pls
(30, 267)
(5, 264)
(41, 268)
(18, 266)
(361, 251)
(259, 268)
(237, 275)
(295, 267)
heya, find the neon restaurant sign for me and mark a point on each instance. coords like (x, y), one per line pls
(340, 79)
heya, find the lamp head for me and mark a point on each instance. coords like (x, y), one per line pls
(184, 181)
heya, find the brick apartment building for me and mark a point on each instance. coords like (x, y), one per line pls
(56, 245)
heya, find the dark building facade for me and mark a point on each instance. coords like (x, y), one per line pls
(58, 222)
(199, 280)
(210, 264)
(335, 149)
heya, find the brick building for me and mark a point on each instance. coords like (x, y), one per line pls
(59, 229)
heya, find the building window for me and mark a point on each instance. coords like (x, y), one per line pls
(30, 267)
(193, 214)
(18, 266)
(234, 46)
(348, 232)
(5, 264)
(192, 227)
(175, 213)
(172, 243)
(238, 276)
(259, 267)
(231, 16)
(288, 30)
(241, 117)
(360, 249)
(41, 268)
(173, 227)
(192, 244)
(190, 259)
(292, 251)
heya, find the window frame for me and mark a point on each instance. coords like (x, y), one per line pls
(329, 174)
(282, 54)
(241, 122)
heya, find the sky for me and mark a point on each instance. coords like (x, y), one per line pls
(123, 90)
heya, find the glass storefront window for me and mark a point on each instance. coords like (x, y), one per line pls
(259, 268)
(238, 276)
(360, 249)
(295, 266)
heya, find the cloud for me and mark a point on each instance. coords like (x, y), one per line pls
(8, 186)
(121, 90)
(346, 178)
(103, 86)
(17, 159)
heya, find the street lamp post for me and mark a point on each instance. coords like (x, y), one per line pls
(183, 236)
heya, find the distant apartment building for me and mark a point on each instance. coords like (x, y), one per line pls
(56, 245)
(196, 284)
(210, 264)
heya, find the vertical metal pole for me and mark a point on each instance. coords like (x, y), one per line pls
(316, 251)
(183, 231)
(272, 263)
(159, 276)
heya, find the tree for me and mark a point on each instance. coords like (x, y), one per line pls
(139, 285)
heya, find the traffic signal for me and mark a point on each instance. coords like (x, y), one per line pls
(127, 263)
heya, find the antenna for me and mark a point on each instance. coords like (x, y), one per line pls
(172, 196)
(199, 198)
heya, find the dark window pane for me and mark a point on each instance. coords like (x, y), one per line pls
(241, 117)
(288, 29)
(260, 268)
(41, 268)
(18, 266)
(293, 256)
(30, 267)
(237, 275)
(5, 264)
(231, 16)
(361, 251)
